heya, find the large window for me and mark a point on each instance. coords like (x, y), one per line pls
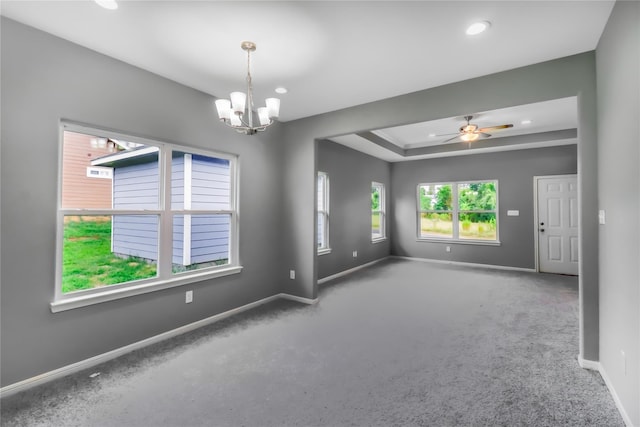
(378, 220)
(137, 215)
(323, 213)
(463, 211)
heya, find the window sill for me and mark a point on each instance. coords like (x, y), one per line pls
(324, 251)
(378, 239)
(461, 242)
(71, 302)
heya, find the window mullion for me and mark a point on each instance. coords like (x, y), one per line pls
(165, 244)
(454, 215)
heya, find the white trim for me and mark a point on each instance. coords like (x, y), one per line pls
(74, 126)
(295, 298)
(616, 398)
(104, 357)
(165, 221)
(114, 292)
(597, 366)
(588, 364)
(186, 239)
(324, 212)
(324, 251)
(187, 196)
(467, 264)
(349, 271)
(459, 241)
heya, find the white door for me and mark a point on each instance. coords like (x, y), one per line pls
(557, 225)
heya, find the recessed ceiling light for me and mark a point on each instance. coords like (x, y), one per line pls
(526, 122)
(281, 90)
(478, 27)
(431, 135)
(108, 4)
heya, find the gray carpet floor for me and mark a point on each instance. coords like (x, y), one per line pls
(401, 343)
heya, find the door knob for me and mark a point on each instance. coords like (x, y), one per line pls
(542, 223)
(542, 230)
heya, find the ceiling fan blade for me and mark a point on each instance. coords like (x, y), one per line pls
(446, 134)
(451, 139)
(495, 128)
(486, 135)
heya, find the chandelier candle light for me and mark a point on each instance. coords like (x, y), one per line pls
(238, 112)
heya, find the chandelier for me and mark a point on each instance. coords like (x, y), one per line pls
(238, 112)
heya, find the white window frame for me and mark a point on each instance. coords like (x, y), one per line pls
(381, 211)
(454, 214)
(165, 278)
(326, 248)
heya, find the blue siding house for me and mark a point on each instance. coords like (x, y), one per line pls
(197, 183)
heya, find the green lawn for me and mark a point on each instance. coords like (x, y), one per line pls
(444, 228)
(375, 221)
(88, 261)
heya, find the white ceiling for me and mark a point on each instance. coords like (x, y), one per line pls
(538, 118)
(329, 54)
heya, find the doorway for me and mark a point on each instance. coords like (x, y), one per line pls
(556, 224)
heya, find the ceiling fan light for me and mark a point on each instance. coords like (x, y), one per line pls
(469, 137)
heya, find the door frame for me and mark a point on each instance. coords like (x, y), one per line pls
(536, 235)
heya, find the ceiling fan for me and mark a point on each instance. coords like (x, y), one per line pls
(471, 132)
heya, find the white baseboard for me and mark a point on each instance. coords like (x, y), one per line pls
(299, 299)
(616, 398)
(588, 364)
(597, 366)
(104, 357)
(467, 264)
(349, 271)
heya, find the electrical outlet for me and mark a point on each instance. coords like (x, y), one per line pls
(188, 297)
(292, 274)
(448, 249)
(624, 362)
(601, 216)
(355, 254)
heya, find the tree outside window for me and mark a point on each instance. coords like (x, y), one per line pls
(458, 211)
(378, 217)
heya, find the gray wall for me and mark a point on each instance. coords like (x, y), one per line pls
(617, 61)
(45, 79)
(561, 78)
(350, 176)
(514, 171)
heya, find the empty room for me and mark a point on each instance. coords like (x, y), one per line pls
(320, 213)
